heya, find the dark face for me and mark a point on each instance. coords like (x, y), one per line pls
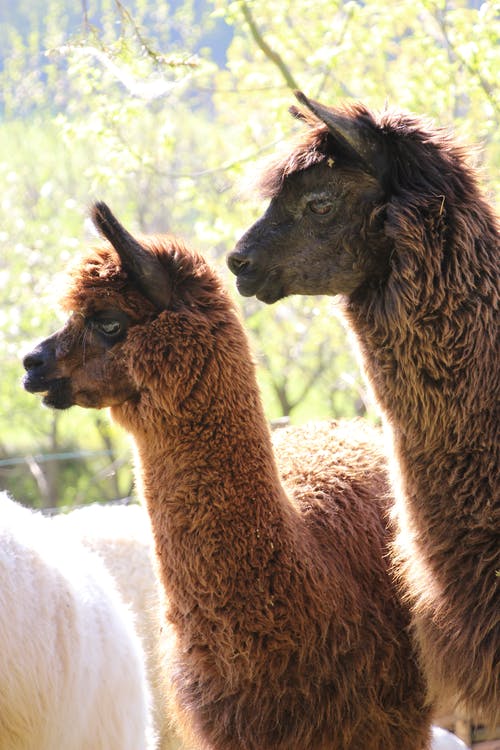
(82, 364)
(322, 234)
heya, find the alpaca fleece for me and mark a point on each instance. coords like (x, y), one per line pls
(71, 665)
(121, 536)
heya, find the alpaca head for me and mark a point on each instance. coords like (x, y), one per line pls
(330, 227)
(141, 314)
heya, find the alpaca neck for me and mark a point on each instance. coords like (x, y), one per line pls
(213, 494)
(433, 370)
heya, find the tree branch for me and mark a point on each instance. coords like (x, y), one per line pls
(488, 88)
(271, 54)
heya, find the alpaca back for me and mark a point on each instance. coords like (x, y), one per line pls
(444, 740)
(71, 665)
(121, 536)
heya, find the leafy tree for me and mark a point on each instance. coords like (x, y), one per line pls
(163, 110)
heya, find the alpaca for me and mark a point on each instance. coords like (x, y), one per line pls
(121, 536)
(71, 666)
(285, 627)
(444, 740)
(386, 213)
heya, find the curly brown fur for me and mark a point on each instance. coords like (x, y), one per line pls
(287, 629)
(387, 212)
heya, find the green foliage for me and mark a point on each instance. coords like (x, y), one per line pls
(164, 110)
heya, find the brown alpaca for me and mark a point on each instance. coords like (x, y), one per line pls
(386, 212)
(287, 631)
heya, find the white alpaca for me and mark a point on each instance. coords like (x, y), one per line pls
(121, 535)
(72, 673)
(444, 740)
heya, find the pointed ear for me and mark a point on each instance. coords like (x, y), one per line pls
(143, 266)
(347, 130)
(304, 115)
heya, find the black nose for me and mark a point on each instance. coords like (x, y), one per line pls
(237, 262)
(36, 359)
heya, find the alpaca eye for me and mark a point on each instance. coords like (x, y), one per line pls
(320, 207)
(112, 328)
(109, 327)
(111, 324)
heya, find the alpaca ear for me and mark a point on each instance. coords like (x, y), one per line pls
(304, 115)
(143, 266)
(347, 131)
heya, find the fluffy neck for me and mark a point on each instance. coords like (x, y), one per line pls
(207, 473)
(428, 341)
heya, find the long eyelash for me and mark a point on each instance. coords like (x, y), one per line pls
(83, 342)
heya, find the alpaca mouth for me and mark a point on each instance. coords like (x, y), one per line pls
(270, 295)
(55, 393)
(247, 284)
(35, 384)
(269, 290)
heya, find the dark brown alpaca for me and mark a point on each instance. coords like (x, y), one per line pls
(287, 632)
(386, 212)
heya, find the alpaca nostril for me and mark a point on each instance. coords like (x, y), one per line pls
(33, 360)
(237, 263)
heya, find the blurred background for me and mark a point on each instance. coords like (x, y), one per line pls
(164, 111)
